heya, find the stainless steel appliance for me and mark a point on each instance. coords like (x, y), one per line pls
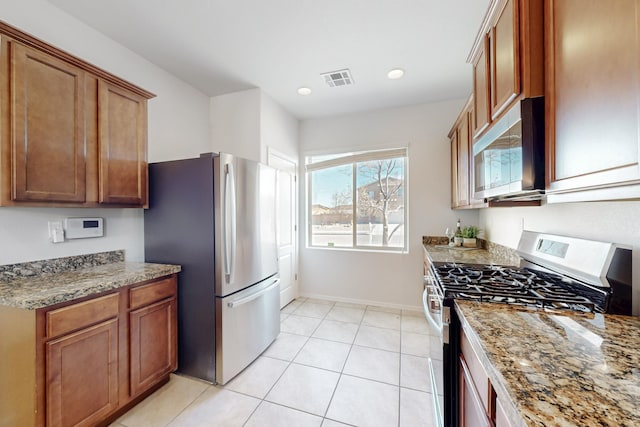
(215, 215)
(556, 273)
(508, 160)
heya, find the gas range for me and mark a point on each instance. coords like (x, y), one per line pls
(513, 285)
(556, 272)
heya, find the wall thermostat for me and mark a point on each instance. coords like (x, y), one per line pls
(80, 228)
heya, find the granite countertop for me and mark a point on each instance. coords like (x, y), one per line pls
(44, 290)
(558, 369)
(441, 253)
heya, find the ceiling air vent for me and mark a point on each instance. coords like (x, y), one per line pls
(338, 78)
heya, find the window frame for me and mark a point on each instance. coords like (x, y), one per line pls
(353, 158)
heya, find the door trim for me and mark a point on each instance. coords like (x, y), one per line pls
(275, 159)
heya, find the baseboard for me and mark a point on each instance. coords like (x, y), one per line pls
(362, 301)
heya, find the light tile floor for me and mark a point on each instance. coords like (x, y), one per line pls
(333, 364)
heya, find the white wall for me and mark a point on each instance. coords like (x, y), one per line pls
(385, 278)
(607, 221)
(278, 129)
(247, 122)
(24, 234)
(235, 123)
(178, 128)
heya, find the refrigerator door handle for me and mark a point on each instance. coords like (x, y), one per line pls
(229, 219)
(248, 298)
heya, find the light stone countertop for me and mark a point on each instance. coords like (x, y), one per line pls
(558, 369)
(438, 253)
(48, 289)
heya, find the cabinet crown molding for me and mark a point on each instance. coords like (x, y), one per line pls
(33, 42)
(489, 20)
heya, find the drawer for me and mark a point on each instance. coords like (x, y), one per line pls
(152, 292)
(477, 372)
(77, 316)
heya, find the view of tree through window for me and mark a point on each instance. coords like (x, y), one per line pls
(357, 200)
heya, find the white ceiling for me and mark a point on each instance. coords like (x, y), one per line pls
(222, 46)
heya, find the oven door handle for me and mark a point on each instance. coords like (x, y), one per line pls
(428, 313)
(437, 412)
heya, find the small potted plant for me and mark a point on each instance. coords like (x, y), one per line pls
(469, 234)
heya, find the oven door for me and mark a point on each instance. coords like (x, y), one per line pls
(444, 352)
(432, 301)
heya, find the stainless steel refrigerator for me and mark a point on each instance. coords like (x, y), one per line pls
(215, 216)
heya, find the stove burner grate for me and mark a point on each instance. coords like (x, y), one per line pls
(512, 285)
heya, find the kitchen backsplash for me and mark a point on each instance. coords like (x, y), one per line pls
(58, 265)
(502, 251)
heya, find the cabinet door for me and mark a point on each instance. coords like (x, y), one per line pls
(153, 343)
(481, 89)
(47, 135)
(463, 160)
(505, 58)
(454, 170)
(122, 140)
(82, 376)
(472, 413)
(501, 416)
(593, 94)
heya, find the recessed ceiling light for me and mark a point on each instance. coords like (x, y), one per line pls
(304, 91)
(396, 73)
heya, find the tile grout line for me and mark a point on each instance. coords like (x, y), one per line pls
(343, 366)
(290, 362)
(341, 372)
(190, 403)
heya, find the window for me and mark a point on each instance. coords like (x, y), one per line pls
(358, 200)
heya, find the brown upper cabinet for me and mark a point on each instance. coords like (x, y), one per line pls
(46, 105)
(507, 59)
(123, 145)
(481, 87)
(462, 160)
(592, 100)
(71, 134)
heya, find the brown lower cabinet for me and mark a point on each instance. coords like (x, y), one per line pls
(472, 412)
(90, 360)
(153, 337)
(479, 406)
(85, 358)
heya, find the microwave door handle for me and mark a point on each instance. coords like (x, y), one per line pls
(229, 228)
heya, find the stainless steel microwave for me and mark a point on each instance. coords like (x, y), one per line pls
(508, 160)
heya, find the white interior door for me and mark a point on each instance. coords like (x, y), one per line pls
(286, 225)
